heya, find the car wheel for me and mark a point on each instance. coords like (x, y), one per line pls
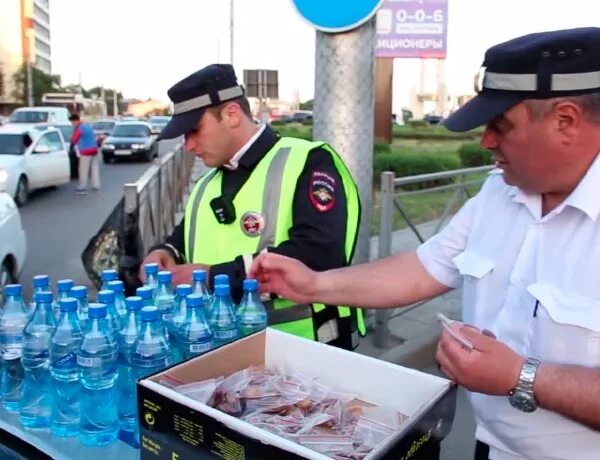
(6, 277)
(149, 156)
(22, 193)
(108, 159)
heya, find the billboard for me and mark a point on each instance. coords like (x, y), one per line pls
(261, 83)
(412, 29)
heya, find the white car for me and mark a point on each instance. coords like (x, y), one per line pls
(13, 244)
(31, 159)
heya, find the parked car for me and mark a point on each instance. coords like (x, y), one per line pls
(31, 159)
(102, 129)
(13, 243)
(133, 139)
(301, 116)
(158, 123)
(433, 119)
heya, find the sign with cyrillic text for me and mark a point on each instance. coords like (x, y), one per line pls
(412, 29)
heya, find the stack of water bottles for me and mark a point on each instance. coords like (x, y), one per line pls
(71, 365)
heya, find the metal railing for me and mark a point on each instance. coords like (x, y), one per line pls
(158, 196)
(390, 199)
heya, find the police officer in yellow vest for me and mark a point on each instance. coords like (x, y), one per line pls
(265, 193)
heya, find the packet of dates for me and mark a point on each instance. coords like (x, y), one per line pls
(298, 408)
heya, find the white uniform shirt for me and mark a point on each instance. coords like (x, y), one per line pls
(510, 260)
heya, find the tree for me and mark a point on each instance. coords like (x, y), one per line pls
(109, 95)
(41, 83)
(308, 105)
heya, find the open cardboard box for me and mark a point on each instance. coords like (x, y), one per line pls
(175, 427)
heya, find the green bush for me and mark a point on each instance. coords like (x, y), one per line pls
(277, 123)
(307, 122)
(381, 146)
(433, 132)
(412, 164)
(472, 155)
(299, 131)
(418, 124)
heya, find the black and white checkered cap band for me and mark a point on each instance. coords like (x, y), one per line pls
(205, 100)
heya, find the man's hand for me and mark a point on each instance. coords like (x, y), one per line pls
(159, 256)
(491, 367)
(285, 276)
(182, 274)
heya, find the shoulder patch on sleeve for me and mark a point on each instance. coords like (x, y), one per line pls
(322, 191)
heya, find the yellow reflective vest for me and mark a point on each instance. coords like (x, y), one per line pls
(264, 215)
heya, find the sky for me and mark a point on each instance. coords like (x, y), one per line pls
(142, 47)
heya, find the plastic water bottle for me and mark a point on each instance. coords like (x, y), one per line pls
(97, 361)
(220, 280)
(251, 314)
(40, 283)
(151, 352)
(194, 336)
(199, 285)
(164, 298)
(222, 319)
(131, 326)
(107, 297)
(63, 290)
(147, 295)
(107, 277)
(36, 401)
(117, 287)
(151, 271)
(81, 294)
(179, 312)
(13, 319)
(64, 345)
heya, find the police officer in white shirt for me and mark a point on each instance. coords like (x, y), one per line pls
(525, 250)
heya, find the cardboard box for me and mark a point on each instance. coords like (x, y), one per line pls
(175, 427)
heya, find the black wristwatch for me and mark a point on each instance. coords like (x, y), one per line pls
(521, 397)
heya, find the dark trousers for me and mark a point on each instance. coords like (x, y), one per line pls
(482, 451)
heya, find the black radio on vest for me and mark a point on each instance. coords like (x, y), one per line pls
(223, 209)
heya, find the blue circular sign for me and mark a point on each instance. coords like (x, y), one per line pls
(336, 15)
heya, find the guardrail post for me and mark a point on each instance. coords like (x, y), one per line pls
(386, 224)
(131, 198)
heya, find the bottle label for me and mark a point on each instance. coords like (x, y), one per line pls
(43, 355)
(89, 362)
(200, 347)
(69, 360)
(224, 334)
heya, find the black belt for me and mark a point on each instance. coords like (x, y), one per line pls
(288, 314)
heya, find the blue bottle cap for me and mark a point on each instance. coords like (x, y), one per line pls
(183, 290)
(116, 286)
(109, 275)
(199, 275)
(150, 314)
(97, 310)
(106, 296)
(43, 296)
(134, 303)
(68, 304)
(41, 280)
(79, 292)
(194, 300)
(64, 285)
(250, 285)
(151, 269)
(13, 289)
(222, 289)
(221, 279)
(164, 277)
(145, 292)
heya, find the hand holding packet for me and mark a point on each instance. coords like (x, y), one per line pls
(450, 326)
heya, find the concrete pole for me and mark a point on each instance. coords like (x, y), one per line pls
(231, 32)
(343, 110)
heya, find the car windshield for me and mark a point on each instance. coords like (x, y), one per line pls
(27, 116)
(131, 131)
(103, 125)
(12, 144)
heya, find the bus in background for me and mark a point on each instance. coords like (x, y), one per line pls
(88, 109)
